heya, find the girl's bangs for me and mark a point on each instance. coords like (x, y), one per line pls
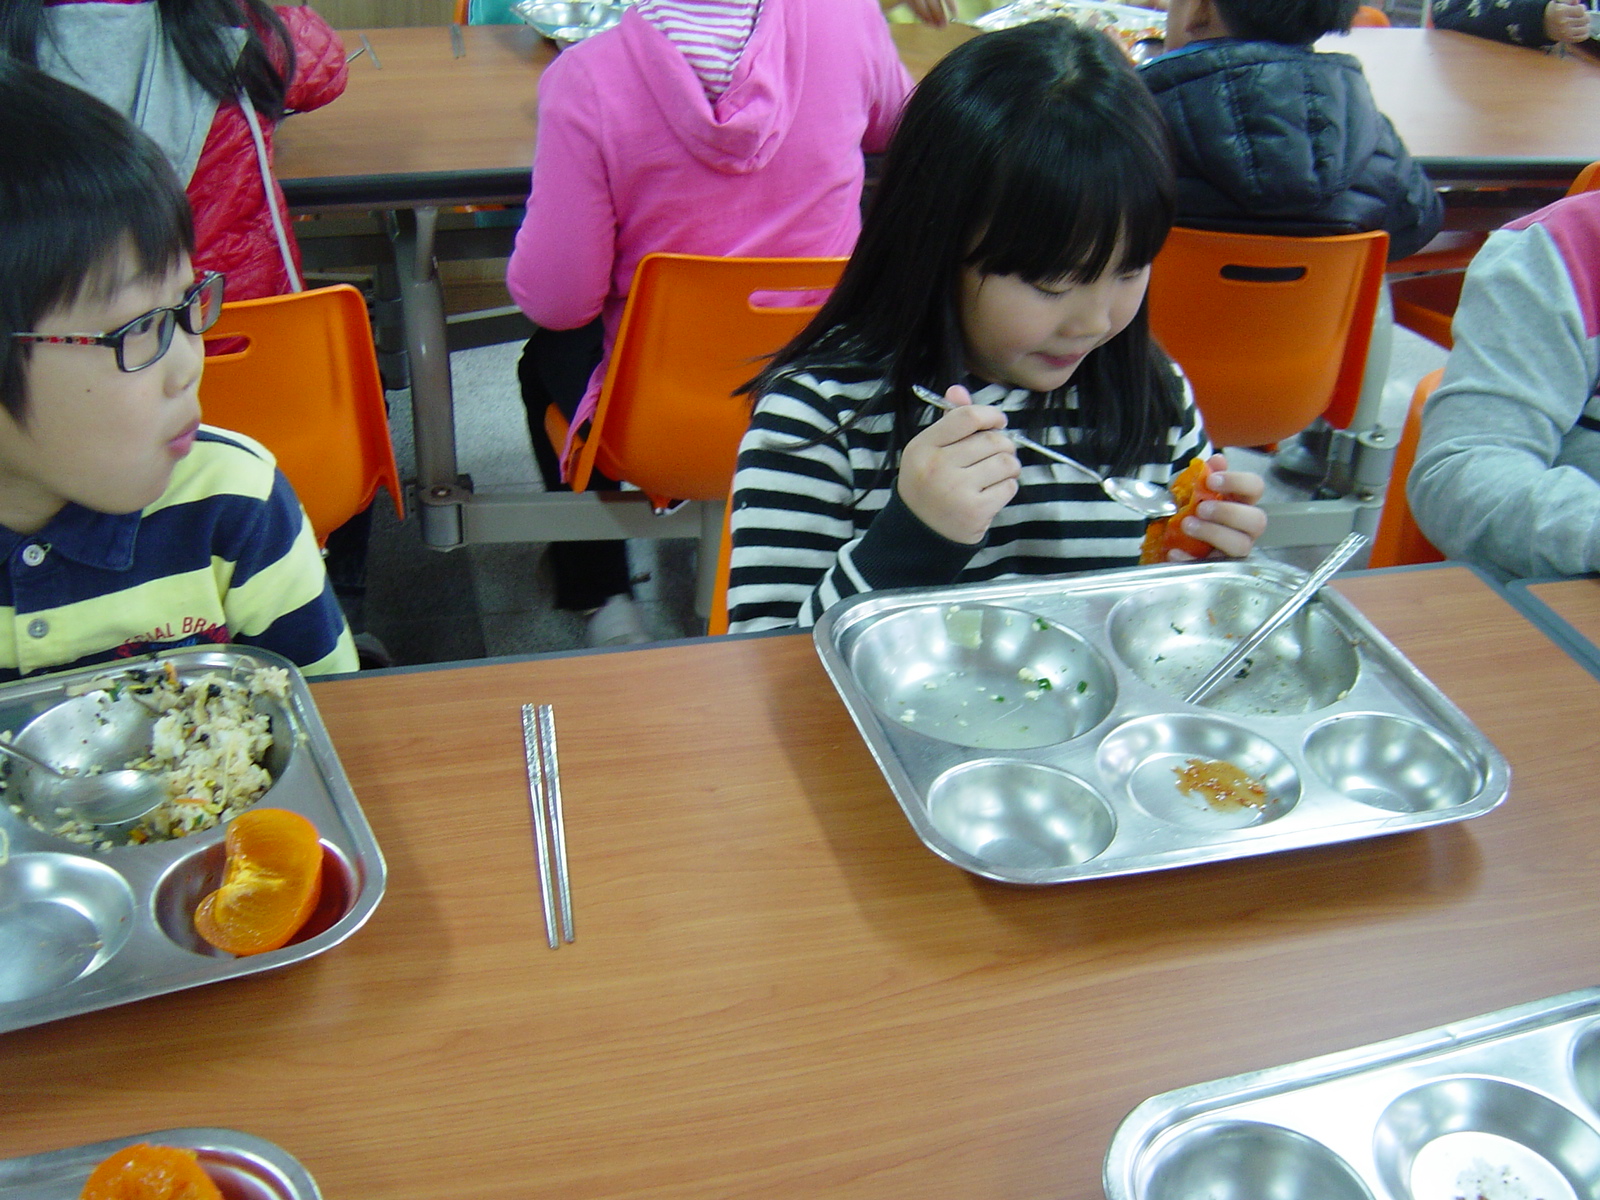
(1062, 207)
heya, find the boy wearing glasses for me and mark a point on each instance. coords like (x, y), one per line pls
(126, 526)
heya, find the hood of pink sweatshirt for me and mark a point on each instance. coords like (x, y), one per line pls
(744, 128)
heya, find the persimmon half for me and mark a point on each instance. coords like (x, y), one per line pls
(146, 1172)
(1188, 490)
(271, 883)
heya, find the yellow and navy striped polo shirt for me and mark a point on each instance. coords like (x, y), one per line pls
(225, 555)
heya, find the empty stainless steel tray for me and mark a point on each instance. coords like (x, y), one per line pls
(1500, 1107)
(243, 1167)
(1034, 731)
(84, 929)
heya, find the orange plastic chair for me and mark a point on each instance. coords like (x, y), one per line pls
(1398, 541)
(667, 420)
(305, 385)
(1271, 331)
(460, 15)
(1426, 303)
(1371, 17)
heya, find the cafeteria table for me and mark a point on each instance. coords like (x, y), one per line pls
(1567, 609)
(776, 990)
(422, 126)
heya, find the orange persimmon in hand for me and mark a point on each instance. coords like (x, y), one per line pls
(1188, 489)
(145, 1172)
(270, 885)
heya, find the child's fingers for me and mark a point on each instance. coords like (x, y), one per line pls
(1229, 526)
(963, 422)
(1244, 486)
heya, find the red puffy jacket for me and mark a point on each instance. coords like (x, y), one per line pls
(232, 224)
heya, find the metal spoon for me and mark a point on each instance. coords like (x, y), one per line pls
(109, 799)
(1298, 600)
(1143, 497)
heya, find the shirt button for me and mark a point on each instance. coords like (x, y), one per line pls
(33, 554)
(37, 628)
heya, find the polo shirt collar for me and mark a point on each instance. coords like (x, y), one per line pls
(89, 538)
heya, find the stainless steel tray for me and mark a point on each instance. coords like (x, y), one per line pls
(243, 1167)
(1499, 1107)
(1026, 783)
(82, 929)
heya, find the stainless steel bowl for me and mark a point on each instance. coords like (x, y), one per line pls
(567, 21)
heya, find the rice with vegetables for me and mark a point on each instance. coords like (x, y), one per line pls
(208, 743)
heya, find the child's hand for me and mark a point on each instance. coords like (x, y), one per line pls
(961, 470)
(1566, 22)
(1231, 525)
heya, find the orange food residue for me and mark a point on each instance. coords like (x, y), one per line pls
(1224, 786)
(145, 1172)
(1188, 489)
(270, 884)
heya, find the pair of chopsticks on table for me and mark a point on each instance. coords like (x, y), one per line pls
(549, 831)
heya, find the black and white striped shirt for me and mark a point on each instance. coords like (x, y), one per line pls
(816, 518)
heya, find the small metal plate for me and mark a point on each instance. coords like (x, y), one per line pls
(243, 1167)
(82, 930)
(1035, 731)
(568, 21)
(1500, 1107)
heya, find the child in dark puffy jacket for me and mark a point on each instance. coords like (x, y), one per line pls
(1272, 137)
(207, 80)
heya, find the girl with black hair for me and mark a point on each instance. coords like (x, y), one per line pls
(207, 80)
(1004, 265)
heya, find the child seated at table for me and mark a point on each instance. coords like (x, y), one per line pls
(126, 525)
(735, 128)
(1272, 137)
(208, 80)
(1507, 473)
(1002, 268)
(1536, 23)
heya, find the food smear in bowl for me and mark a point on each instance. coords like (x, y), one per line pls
(1224, 786)
(208, 744)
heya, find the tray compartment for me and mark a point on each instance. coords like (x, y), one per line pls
(1471, 1136)
(243, 1167)
(1172, 635)
(62, 916)
(122, 916)
(1021, 814)
(1145, 758)
(1124, 726)
(1495, 1107)
(983, 676)
(1248, 1160)
(1392, 763)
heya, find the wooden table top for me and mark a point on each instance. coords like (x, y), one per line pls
(776, 989)
(1576, 601)
(428, 127)
(1465, 104)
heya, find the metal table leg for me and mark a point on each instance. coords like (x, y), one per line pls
(440, 490)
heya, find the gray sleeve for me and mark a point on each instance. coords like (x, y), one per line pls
(1491, 482)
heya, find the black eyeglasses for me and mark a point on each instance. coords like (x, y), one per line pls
(143, 340)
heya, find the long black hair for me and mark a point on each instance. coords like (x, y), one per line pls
(1036, 152)
(262, 69)
(78, 184)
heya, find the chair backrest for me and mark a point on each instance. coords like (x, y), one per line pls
(1367, 15)
(1588, 180)
(305, 385)
(1271, 331)
(1398, 540)
(667, 420)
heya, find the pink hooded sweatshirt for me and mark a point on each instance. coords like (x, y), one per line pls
(632, 158)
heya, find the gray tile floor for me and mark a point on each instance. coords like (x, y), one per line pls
(486, 601)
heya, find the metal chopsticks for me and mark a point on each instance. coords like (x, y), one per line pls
(549, 827)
